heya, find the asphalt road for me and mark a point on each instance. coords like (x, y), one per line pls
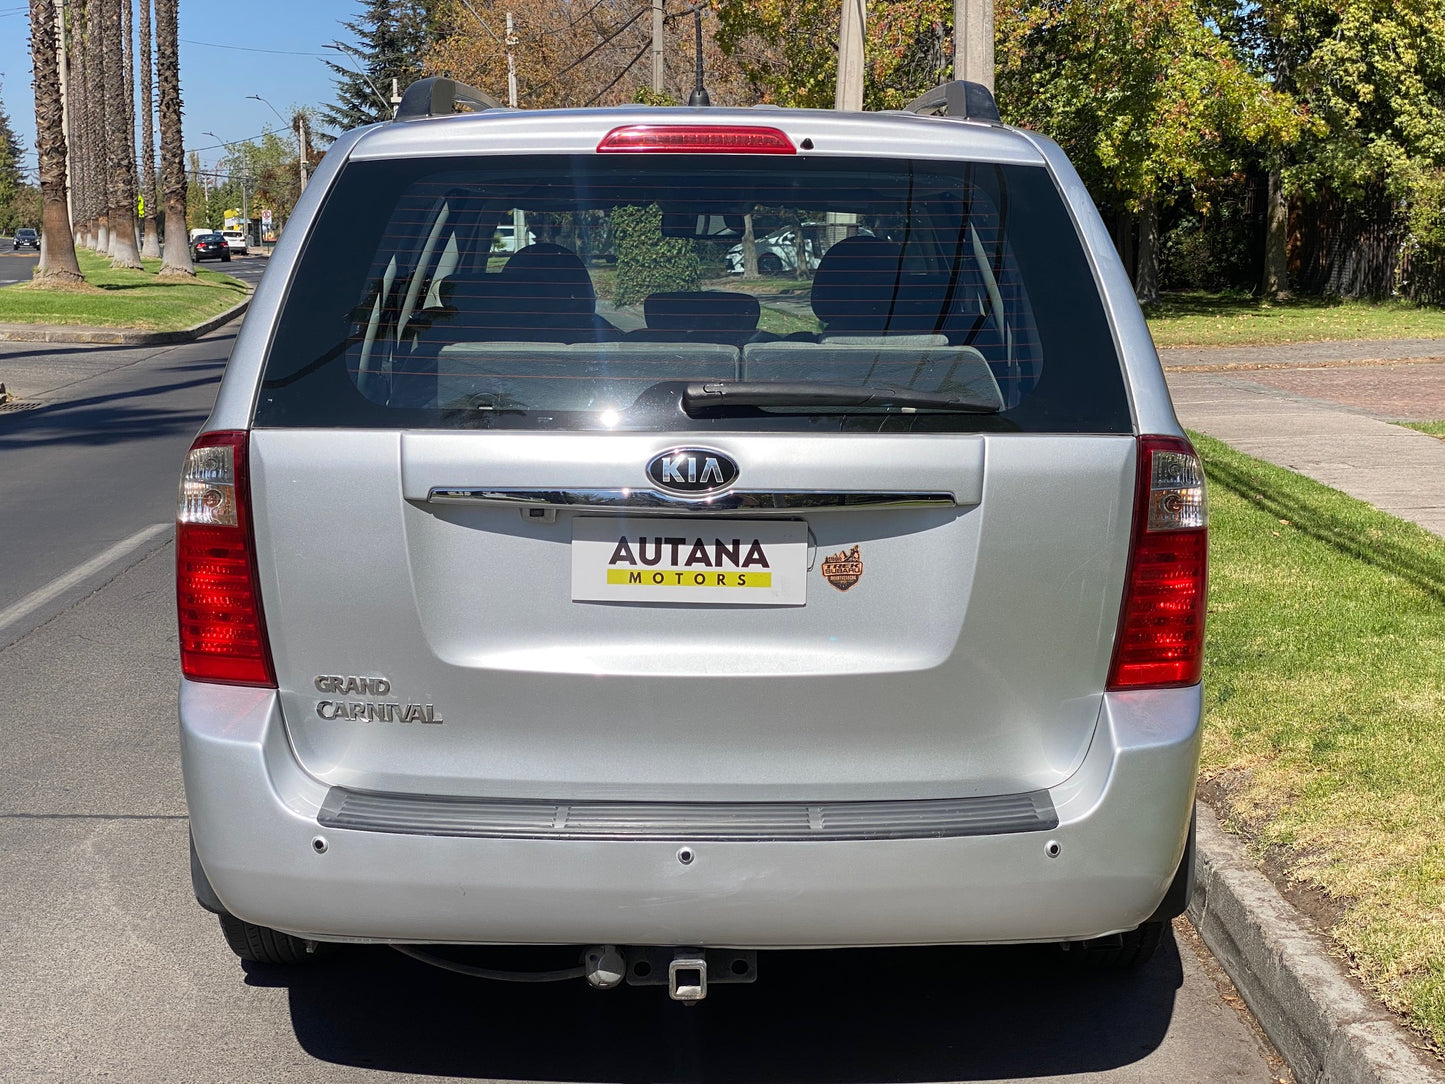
(108, 970)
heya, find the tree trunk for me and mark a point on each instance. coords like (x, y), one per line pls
(1276, 241)
(1146, 278)
(83, 99)
(176, 252)
(1124, 240)
(750, 249)
(120, 135)
(151, 246)
(57, 256)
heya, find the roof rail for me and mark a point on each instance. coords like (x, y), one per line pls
(961, 98)
(440, 96)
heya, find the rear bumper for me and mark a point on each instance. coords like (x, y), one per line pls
(1123, 818)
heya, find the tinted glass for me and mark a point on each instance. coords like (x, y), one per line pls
(590, 292)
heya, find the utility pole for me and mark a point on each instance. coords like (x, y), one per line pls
(848, 97)
(395, 96)
(511, 65)
(301, 146)
(973, 41)
(658, 72)
(519, 216)
(849, 94)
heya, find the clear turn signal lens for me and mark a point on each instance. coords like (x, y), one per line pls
(1176, 492)
(208, 487)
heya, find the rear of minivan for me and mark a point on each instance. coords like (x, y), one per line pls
(588, 594)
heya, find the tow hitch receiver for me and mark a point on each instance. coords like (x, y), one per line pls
(687, 977)
(688, 972)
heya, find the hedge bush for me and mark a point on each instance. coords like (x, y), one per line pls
(648, 262)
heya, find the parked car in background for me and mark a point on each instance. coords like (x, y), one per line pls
(505, 238)
(211, 246)
(511, 618)
(778, 251)
(235, 241)
(25, 237)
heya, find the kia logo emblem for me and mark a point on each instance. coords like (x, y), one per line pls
(693, 471)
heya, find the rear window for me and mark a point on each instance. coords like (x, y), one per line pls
(679, 292)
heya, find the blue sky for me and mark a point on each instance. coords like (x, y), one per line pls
(268, 47)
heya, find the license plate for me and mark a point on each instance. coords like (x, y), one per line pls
(706, 562)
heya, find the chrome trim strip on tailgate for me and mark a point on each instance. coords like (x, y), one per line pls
(430, 815)
(648, 500)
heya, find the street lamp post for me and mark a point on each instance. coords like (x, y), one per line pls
(300, 135)
(245, 185)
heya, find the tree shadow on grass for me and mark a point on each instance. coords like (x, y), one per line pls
(1401, 548)
(1198, 303)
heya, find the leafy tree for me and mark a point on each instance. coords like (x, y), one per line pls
(570, 54)
(1147, 97)
(789, 49)
(1374, 77)
(391, 37)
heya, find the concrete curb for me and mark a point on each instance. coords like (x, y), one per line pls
(1327, 1030)
(116, 336)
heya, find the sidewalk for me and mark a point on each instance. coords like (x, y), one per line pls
(1291, 354)
(1337, 433)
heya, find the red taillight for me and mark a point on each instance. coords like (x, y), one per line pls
(218, 600)
(696, 139)
(1161, 627)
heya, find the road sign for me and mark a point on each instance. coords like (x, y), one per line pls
(266, 218)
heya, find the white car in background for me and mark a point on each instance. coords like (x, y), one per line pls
(778, 251)
(235, 241)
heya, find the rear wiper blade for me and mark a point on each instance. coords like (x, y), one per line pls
(767, 393)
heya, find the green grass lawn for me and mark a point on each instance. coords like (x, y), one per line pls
(1203, 319)
(1435, 429)
(786, 322)
(130, 299)
(1325, 710)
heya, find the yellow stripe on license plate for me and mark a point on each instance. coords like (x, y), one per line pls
(676, 578)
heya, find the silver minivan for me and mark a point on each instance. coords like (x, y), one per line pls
(589, 595)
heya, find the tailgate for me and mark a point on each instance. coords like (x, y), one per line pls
(440, 647)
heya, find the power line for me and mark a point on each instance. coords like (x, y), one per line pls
(593, 51)
(647, 45)
(248, 49)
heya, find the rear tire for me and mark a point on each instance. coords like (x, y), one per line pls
(768, 264)
(263, 945)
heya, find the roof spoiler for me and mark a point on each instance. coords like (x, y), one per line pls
(960, 99)
(440, 97)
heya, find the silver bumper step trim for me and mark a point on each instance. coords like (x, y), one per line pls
(430, 815)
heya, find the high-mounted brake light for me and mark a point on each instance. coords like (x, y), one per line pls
(1160, 641)
(696, 139)
(218, 598)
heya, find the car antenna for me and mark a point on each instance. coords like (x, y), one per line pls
(699, 92)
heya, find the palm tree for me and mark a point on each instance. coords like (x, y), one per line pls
(57, 256)
(151, 245)
(120, 120)
(98, 124)
(80, 103)
(173, 162)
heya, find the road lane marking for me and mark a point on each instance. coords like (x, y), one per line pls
(79, 574)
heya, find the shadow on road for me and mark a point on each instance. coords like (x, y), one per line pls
(812, 1018)
(104, 419)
